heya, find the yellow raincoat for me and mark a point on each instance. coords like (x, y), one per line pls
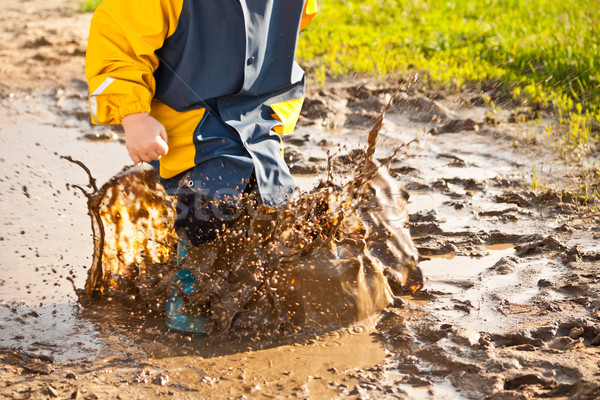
(219, 75)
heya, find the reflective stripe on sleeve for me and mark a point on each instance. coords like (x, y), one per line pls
(98, 91)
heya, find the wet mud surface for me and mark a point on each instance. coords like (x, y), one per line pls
(335, 254)
(510, 307)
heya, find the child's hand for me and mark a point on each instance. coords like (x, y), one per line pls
(145, 137)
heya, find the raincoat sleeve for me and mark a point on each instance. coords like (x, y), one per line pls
(120, 59)
(310, 9)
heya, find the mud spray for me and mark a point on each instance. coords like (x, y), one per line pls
(334, 255)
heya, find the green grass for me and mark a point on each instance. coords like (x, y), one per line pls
(88, 5)
(544, 53)
(553, 43)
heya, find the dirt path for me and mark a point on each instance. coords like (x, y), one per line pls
(510, 307)
(42, 44)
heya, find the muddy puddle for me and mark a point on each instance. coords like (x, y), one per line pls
(333, 255)
(310, 368)
(509, 308)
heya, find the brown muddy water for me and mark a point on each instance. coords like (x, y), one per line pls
(325, 259)
(509, 308)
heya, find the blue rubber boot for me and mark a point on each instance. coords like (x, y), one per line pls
(182, 249)
(184, 282)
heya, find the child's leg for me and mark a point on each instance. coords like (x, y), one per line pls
(200, 218)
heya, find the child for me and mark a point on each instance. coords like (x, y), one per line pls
(205, 87)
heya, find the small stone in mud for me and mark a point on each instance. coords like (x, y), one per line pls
(71, 375)
(455, 125)
(417, 187)
(100, 136)
(529, 379)
(425, 229)
(545, 333)
(403, 170)
(417, 381)
(37, 367)
(463, 308)
(161, 380)
(576, 332)
(303, 169)
(564, 228)
(544, 283)
(295, 141)
(421, 216)
(484, 342)
(514, 339)
(51, 391)
(505, 265)
(506, 214)
(566, 343)
(525, 347)
(512, 198)
(39, 42)
(457, 205)
(437, 249)
(544, 245)
(357, 390)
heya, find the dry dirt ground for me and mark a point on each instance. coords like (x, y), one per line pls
(510, 307)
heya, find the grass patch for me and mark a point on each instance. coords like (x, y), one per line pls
(88, 5)
(542, 53)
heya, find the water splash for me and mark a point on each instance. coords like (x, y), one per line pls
(132, 225)
(333, 255)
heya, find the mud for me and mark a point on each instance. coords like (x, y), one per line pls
(509, 309)
(334, 255)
